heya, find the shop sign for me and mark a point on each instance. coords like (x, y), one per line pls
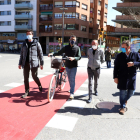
(10, 41)
(54, 43)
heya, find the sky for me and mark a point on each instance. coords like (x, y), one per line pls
(111, 12)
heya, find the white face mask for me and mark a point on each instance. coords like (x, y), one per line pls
(94, 47)
(29, 37)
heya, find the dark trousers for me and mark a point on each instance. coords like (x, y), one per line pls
(91, 74)
(26, 72)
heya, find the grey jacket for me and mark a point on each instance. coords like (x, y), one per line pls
(35, 54)
(95, 61)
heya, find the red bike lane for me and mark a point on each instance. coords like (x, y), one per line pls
(23, 119)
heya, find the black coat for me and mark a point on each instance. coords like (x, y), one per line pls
(126, 75)
(35, 54)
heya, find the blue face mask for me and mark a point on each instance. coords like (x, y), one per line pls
(123, 50)
(72, 42)
(29, 37)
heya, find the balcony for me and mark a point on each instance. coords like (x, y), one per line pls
(46, 8)
(48, 30)
(44, 19)
(25, 6)
(23, 17)
(23, 27)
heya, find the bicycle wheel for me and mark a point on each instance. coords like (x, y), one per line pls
(63, 80)
(52, 88)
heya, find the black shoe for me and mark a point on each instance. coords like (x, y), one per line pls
(89, 100)
(96, 93)
(40, 88)
(25, 95)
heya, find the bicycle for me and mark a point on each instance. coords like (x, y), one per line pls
(58, 79)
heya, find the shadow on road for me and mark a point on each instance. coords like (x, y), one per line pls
(88, 111)
(118, 94)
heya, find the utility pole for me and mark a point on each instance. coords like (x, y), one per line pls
(63, 24)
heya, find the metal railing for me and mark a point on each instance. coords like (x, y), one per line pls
(23, 16)
(24, 6)
(23, 27)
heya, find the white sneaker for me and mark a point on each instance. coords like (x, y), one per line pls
(71, 96)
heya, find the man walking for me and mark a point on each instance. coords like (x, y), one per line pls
(31, 53)
(95, 58)
(125, 67)
(74, 54)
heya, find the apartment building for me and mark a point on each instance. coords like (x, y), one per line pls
(82, 18)
(128, 24)
(16, 16)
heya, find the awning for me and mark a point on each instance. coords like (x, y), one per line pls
(46, 13)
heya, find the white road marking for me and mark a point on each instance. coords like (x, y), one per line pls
(81, 92)
(40, 76)
(13, 85)
(84, 85)
(0, 56)
(1, 91)
(30, 79)
(48, 73)
(75, 104)
(62, 122)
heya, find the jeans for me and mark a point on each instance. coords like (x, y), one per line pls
(108, 64)
(125, 96)
(93, 74)
(71, 72)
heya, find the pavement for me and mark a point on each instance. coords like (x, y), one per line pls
(77, 120)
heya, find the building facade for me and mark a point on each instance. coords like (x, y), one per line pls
(128, 24)
(82, 18)
(16, 16)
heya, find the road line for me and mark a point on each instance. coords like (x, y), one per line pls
(13, 85)
(62, 122)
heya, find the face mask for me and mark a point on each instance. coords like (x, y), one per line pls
(123, 50)
(72, 42)
(94, 47)
(29, 37)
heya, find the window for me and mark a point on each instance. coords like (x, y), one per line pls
(77, 15)
(105, 23)
(1, 2)
(72, 26)
(5, 23)
(90, 30)
(91, 1)
(106, 15)
(1, 13)
(8, 12)
(77, 4)
(106, 6)
(69, 15)
(83, 28)
(99, 12)
(91, 10)
(57, 26)
(84, 6)
(2, 23)
(91, 20)
(8, 1)
(99, 3)
(98, 22)
(58, 15)
(84, 17)
(9, 23)
(70, 3)
(58, 4)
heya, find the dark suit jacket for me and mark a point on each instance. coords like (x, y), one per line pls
(126, 75)
(35, 54)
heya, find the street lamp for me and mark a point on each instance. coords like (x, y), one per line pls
(63, 24)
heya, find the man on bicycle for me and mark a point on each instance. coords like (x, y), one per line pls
(74, 54)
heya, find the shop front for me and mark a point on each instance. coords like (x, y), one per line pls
(84, 48)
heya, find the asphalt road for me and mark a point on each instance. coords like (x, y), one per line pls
(85, 122)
